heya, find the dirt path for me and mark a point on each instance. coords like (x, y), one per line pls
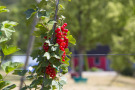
(96, 81)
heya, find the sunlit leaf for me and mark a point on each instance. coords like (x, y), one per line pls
(7, 50)
(11, 66)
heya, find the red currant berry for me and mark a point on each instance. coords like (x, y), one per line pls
(65, 24)
(66, 30)
(58, 29)
(65, 34)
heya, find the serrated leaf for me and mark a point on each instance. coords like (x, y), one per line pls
(71, 39)
(11, 66)
(10, 87)
(8, 28)
(3, 84)
(47, 55)
(20, 72)
(29, 13)
(7, 50)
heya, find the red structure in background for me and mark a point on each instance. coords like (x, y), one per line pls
(99, 62)
(96, 60)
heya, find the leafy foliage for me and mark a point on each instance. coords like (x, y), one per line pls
(6, 30)
(11, 66)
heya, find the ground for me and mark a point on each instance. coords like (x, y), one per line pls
(96, 81)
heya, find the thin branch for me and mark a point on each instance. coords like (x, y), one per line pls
(55, 18)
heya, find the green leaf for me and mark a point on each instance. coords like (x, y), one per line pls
(68, 52)
(10, 87)
(29, 13)
(20, 72)
(50, 24)
(7, 50)
(41, 13)
(64, 68)
(47, 55)
(36, 82)
(11, 66)
(3, 84)
(47, 82)
(1, 77)
(55, 61)
(0, 33)
(54, 87)
(8, 28)
(3, 9)
(61, 6)
(45, 63)
(71, 39)
(30, 77)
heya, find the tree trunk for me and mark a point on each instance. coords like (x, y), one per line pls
(29, 49)
(80, 63)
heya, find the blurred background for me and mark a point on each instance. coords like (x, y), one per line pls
(105, 50)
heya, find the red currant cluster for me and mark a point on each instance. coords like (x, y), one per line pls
(46, 47)
(51, 71)
(62, 40)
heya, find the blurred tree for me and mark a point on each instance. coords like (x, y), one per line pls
(104, 22)
(108, 22)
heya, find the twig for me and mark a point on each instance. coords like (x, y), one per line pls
(55, 19)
